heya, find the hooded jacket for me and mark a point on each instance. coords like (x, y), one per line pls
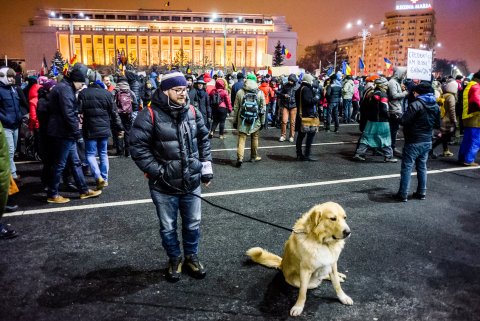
(224, 96)
(308, 101)
(395, 92)
(250, 86)
(171, 147)
(334, 91)
(420, 118)
(289, 89)
(348, 89)
(10, 113)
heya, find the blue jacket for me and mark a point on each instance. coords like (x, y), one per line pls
(63, 119)
(10, 113)
(420, 118)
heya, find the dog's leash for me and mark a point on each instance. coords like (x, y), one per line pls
(241, 214)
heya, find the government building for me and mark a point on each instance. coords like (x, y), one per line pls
(149, 37)
(410, 25)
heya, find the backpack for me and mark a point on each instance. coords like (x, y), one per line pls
(216, 99)
(249, 109)
(123, 99)
(441, 104)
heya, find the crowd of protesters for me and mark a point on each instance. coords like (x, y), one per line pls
(73, 117)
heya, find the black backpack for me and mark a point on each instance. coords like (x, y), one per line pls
(249, 111)
(216, 99)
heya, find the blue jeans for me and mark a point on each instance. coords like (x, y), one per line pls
(332, 115)
(63, 150)
(347, 110)
(12, 139)
(414, 154)
(100, 145)
(168, 207)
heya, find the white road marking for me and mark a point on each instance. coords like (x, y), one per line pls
(234, 192)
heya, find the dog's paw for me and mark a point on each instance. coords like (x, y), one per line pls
(295, 311)
(345, 299)
(341, 277)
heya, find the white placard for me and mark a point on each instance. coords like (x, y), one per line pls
(419, 65)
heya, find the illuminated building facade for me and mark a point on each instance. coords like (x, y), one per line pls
(151, 37)
(411, 25)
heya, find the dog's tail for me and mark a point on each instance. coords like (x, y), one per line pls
(263, 257)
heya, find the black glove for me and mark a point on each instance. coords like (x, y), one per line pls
(206, 178)
(235, 125)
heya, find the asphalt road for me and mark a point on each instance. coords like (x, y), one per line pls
(101, 259)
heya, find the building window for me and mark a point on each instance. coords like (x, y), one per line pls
(206, 19)
(175, 18)
(154, 41)
(258, 21)
(186, 18)
(208, 42)
(99, 40)
(143, 18)
(249, 20)
(110, 41)
(197, 19)
(144, 41)
(111, 16)
(122, 41)
(186, 42)
(176, 42)
(77, 40)
(197, 42)
(99, 16)
(228, 19)
(164, 18)
(132, 18)
(133, 41)
(122, 17)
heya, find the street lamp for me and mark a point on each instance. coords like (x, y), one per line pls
(364, 33)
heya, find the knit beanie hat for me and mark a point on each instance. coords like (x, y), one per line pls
(240, 76)
(307, 78)
(49, 84)
(252, 77)
(173, 79)
(423, 88)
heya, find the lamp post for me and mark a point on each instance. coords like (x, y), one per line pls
(364, 34)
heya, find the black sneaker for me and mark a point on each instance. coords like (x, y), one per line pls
(6, 232)
(239, 164)
(193, 267)
(418, 196)
(390, 160)
(174, 269)
(399, 198)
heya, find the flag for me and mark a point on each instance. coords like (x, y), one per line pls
(233, 67)
(346, 70)
(330, 71)
(44, 69)
(211, 73)
(73, 60)
(244, 71)
(388, 63)
(55, 70)
(269, 70)
(65, 68)
(361, 64)
(283, 50)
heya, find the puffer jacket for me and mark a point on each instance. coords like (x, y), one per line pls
(289, 89)
(98, 108)
(249, 86)
(348, 89)
(395, 92)
(420, 118)
(10, 113)
(334, 92)
(63, 119)
(171, 147)
(32, 101)
(136, 88)
(449, 120)
(308, 100)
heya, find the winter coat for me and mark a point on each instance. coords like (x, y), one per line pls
(171, 147)
(249, 86)
(125, 86)
(471, 105)
(136, 88)
(63, 119)
(420, 118)
(4, 170)
(42, 110)
(235, 88)
(10, 113)
(449, 120)
(99, 111)
(267, 91)
(395, 92)
(289, 89)
(147, 93)
(224, 96)
(348, 89)
(201, 101)
(334, 92)
(308, 101)
(32, 101)
(376, 109)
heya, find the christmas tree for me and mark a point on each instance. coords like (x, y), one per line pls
(277, 55)
(57, 64)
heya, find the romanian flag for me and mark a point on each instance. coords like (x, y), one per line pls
(65, 68)
(388, 63)
(286, 53)
(73, 60)
(346, 70)
(361, 64)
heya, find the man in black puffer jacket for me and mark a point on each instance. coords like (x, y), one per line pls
(169, 143)
(98, 109)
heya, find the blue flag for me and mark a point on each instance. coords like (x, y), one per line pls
(211, 73)
(54, 70)
(330, 71)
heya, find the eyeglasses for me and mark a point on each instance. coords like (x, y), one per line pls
(179, 91)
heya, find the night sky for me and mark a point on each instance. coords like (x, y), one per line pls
(458, 21)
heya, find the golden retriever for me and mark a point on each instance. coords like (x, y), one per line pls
(311, 252)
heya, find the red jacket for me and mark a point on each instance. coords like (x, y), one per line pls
(224, 96)
(32, 101)
(267, 91)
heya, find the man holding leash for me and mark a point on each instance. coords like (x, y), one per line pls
(169, 143)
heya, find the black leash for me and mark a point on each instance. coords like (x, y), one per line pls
(241, 214)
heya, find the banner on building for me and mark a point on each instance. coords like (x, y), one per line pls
(419, 64)
(285, 70)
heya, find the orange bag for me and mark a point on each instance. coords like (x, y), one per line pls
(13, 187)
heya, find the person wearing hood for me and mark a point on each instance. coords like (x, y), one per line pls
(268, 93)
(169, 143)
(221, 106)
(147, 92)
(347, 95)
(237, 86)
(201, 101)
(248, 127)
(334, 97)
(449, 119)
(397, 92)
(10, 113)
(64, 132)
(126, 102)
(135, 86)
(471, 122)
(288, 106)
(374, 124)
(418, 121)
